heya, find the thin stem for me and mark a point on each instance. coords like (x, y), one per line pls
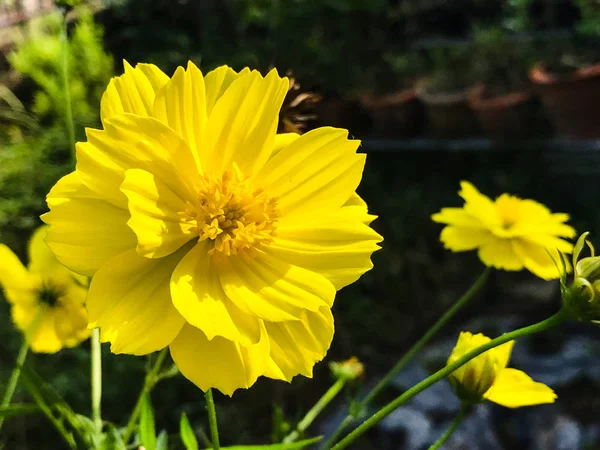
(149, 382)
(312, 414)
(96, 368)
(67, 88)
(462, 412)
(552, 321)
(212, 419)
(58, 424)
(416, 348)
(22, 355)
(14, 377)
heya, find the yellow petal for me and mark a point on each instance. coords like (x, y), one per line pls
(530, 218)
(282, 140)
(337, 246)
(296, 346)
(85, 231)
(459, 239)
(219, 363)
(181, 104)
(70, 321)
(536, 258)
(514, 388)
(499, 253)
(476, 376)
(17, 283)
(43, 338)
(242, 125)
(356, 200)
(316, 173)
(133, 92)
(132, 142)
(42, 261)
(129, 300)
(217, 81)
(272, 289)
(458, 217)
(198, 296)
(355, 206)
(478, 205)
(156, 209)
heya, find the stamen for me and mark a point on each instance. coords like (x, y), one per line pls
(232, 214)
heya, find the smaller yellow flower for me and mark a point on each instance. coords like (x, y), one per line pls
(486, 376)
(45, 292)
(509, 233)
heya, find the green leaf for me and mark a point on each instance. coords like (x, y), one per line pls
(147, 430)
(577, 249)
(187, 433)
(280, 426)
(50, 403)
(162, 441)
(20, 409)
(112, 439)
(292, 446)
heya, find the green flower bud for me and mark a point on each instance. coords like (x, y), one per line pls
(582, 297)
(348, 370)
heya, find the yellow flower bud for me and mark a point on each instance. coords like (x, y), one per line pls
(487, 377)
(348, 370)
(582, 297)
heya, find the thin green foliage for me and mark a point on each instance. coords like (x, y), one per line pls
(20, 409)
(187, 434)
(147, 430)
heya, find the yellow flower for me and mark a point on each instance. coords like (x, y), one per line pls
(486, 376)
(47, 300)
(510, 233)
(207, 232)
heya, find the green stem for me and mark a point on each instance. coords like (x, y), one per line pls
(149, 382)
(462, 412)
(96, 368)
(67, 88)
(416, 348)
(315, 411)
(552, 321)
(212, 419)
(16, 373)
(14, 377)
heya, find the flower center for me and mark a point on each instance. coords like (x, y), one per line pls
(50, 293)
(233, 214)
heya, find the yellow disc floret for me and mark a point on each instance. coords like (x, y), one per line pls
(233, 214)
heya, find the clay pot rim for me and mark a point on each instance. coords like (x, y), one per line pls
(370, 100)
(478, 102)
(540, 76)
(440, 98)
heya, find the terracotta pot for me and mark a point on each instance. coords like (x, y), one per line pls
(398, 114)
(512, 115)
(448, 113)
(571, 101)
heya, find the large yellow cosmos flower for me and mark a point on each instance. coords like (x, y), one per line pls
(510, 233)
(207, 232)
(486, 376)
(47, 300)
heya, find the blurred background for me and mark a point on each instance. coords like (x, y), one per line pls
(503, 93)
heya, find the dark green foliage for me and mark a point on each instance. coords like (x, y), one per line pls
(501, 64)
